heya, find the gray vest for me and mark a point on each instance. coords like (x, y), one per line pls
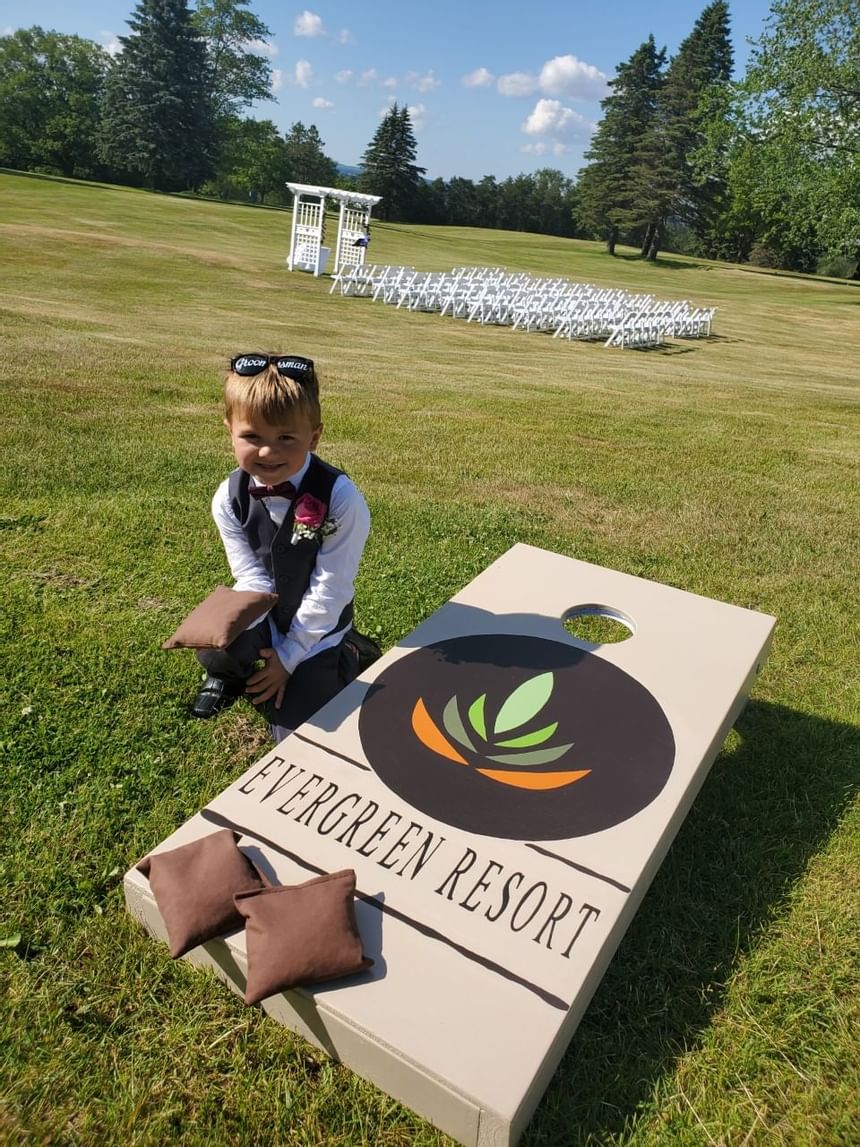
(290, 566)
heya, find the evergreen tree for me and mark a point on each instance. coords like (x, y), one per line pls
(666, 176)
(389, 168)
(157, 124)
(488, 200)
(462, 203)
(431, 202)
(608, 196)
(517, 210)
(50, 96)
(543, 202)
(306, 162)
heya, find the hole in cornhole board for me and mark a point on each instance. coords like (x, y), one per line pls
(598, 624)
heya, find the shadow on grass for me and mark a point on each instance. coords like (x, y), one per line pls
(749, 837)
(689, 263)
(47, 177)
(655, 348)
(808, 276)
(667, 262)
(663, 348)
(770, 803)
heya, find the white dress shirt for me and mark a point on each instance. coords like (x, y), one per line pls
(333, 578)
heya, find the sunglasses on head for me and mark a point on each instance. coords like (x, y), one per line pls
(290, 365)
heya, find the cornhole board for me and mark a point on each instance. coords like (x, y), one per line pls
(505, 794)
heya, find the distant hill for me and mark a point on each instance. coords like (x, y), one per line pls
(352, 169)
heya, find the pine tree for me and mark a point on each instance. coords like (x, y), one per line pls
(462, 205)
(389, 167)
(306, 162)
(157, 124)
(488, 200)
(608, 198)
(666, 177)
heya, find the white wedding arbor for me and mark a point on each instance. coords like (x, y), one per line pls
(308, 251)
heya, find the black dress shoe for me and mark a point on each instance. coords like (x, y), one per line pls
(216, 694)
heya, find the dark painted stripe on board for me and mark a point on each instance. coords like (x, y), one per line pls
(578, 867)
(332, 753)
(555, 1001)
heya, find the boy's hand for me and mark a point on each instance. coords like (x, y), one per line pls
(270, 681)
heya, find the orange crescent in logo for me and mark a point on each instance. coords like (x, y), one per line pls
(428, 734)
(534, 780)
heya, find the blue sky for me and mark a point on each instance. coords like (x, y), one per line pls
(494, 87)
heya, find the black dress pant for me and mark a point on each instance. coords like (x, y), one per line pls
(315, 681)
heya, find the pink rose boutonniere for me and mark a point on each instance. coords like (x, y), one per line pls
(310, 519)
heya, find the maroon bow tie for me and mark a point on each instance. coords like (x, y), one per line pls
(280, 490)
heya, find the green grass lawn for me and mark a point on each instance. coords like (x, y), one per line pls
(727, 467)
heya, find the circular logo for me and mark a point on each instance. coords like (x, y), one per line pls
(516, 737)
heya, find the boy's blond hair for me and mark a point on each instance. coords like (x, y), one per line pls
(271, 396)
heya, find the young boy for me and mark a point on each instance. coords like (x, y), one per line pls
(290, 524)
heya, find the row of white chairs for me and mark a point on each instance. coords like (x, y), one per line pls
(494, 295)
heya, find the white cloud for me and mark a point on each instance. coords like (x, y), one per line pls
(480, 78)
(560, 76)
(371, 78)
(308, 24)
(417, 113)
(568, 76)
(262, 47)
(425, 83)
(304, 73)
(319, 102)
(277, 79)
(517, 84)
(110, 42)
(552, 118)
(542, 148)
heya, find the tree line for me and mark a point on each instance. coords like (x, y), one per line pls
(684, 157)
(765, 169)
(165, 113)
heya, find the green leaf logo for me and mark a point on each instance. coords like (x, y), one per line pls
(454, 725)
(519, 708)
(536, 738)
(541, 757)
(525, 702)
(476, 716)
